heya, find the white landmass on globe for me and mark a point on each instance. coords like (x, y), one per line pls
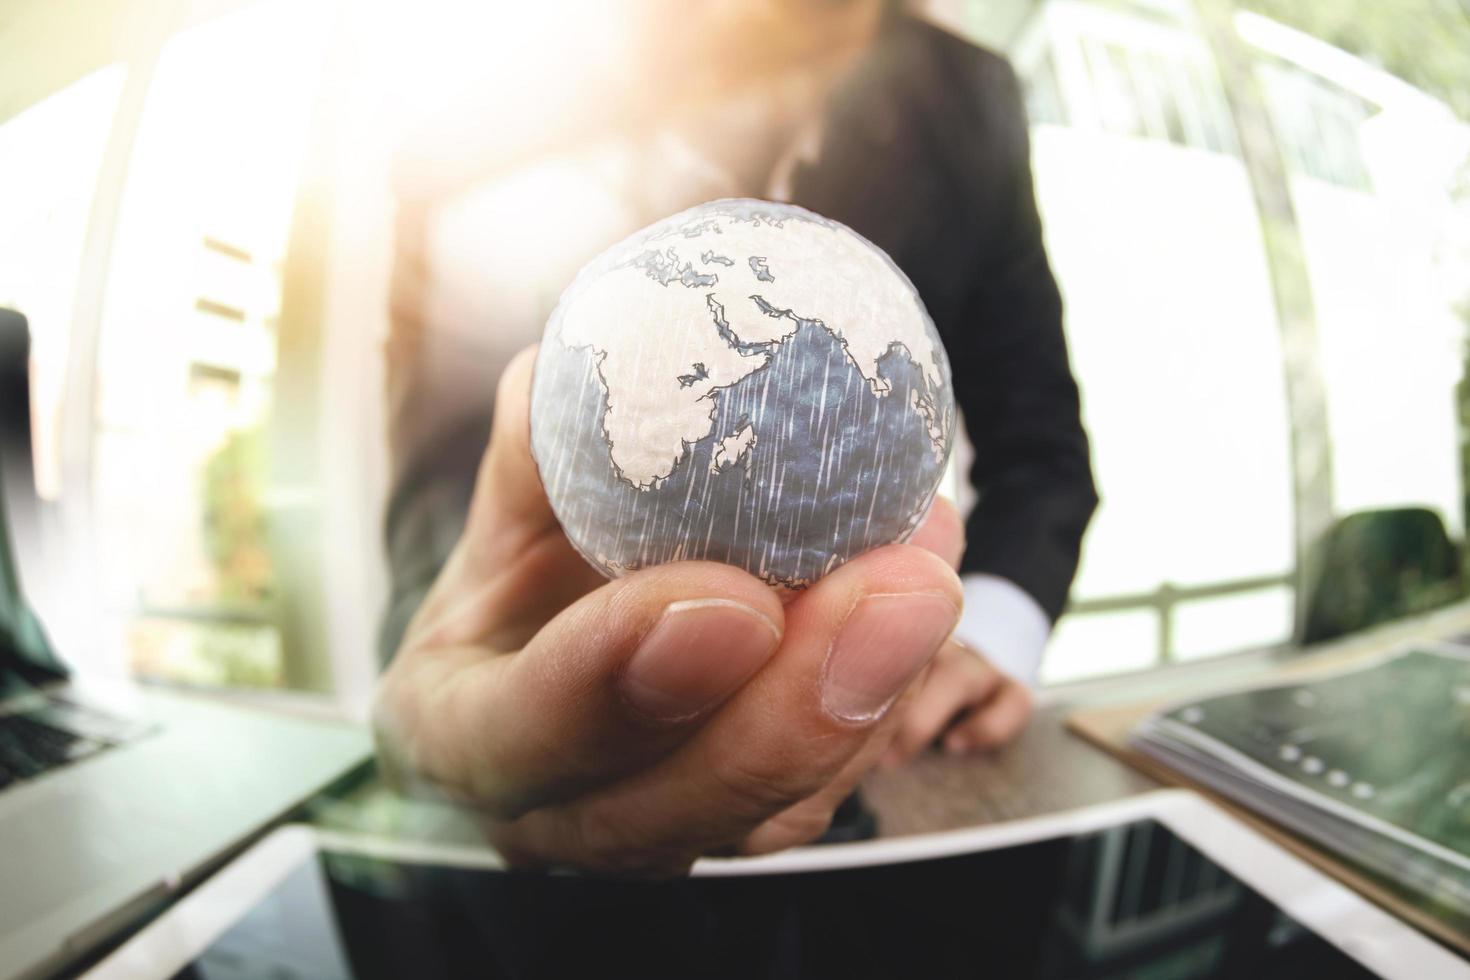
(734, 448)
(712, 286)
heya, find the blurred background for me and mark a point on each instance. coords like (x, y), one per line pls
(200, 200)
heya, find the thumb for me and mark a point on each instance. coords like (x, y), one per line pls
(614, 682)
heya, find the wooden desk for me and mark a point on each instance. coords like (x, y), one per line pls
(1050, 769)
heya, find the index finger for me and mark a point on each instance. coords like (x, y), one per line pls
(942, 532)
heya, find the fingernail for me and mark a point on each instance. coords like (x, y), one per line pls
(697, 654)
(886, 640)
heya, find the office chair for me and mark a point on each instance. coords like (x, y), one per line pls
(1380, 565)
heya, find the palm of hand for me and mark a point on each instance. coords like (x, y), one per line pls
(631, 726)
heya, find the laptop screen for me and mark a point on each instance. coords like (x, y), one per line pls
(26, 656)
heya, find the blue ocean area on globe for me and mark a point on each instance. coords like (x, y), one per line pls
(744, 382)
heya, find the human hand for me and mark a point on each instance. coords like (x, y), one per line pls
(632, 726)
(963, 703)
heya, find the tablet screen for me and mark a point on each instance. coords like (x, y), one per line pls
(1129, 901)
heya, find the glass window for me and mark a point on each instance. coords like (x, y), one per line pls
(188, 347)
(1194, 106)
(1318, 124)
(1117, 101)
(1234, 621)
(1151, 70)
(1141, 80)
(1043, 94)
(1219, 130)
(1088, 645)
(1172, 321)
(50, 156)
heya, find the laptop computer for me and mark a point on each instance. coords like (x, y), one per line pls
(111, 798)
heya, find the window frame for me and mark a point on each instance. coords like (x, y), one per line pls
(134, 36)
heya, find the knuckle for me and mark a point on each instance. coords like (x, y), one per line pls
(583, 837)
(804, 824)
(762, 785)
(915, 733)
(491, 800)
(987, 731)
(995, 727)
(799, 825)
(1025, 700)
(644, 862)
(588, 831)
(601, 844)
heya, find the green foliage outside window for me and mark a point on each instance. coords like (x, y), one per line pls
(235, 520)
(1424, 42)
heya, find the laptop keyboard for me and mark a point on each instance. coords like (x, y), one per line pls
(29, 747)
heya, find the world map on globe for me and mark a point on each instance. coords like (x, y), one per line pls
(744, 382)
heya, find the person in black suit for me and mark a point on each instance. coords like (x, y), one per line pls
(605, 741)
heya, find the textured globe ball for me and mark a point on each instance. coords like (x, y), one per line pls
(745, 382)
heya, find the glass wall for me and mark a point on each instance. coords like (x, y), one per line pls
(200, 131)
(50, 158)
(188, 348)
(1152, 224)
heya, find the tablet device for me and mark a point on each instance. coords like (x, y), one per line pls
(1164, 885)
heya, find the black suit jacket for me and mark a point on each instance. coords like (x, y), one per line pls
(925, 152)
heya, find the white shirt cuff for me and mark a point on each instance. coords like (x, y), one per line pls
(1005, 625)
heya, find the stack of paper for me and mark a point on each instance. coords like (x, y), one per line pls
(1372, 762)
